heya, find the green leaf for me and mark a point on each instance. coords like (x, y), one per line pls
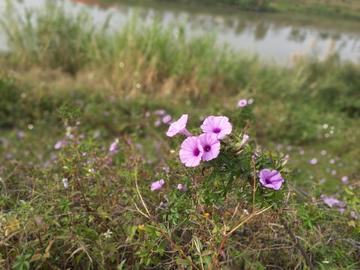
(35, 257)
(182, 262)
(268, 194)
(120, 266)
(144, 254)
(349, 191)
(149, 229)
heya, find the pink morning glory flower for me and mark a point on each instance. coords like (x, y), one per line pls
(211, 146)
(166, 119)
(112, 147)
(58, 145)
(157, 185)
(242, 103)
(313, 161)
(218, 125)
(163, 204)
(271, 179)
(353, 214)
(191, 152)
(182, 188)
(331, 201)
(179, 127)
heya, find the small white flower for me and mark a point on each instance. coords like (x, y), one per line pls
(108, 234)
(246, 212)
(172, 151)
(325, 261)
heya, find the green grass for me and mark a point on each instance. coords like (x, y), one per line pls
(113, 80)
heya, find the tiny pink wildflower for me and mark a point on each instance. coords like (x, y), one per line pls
(157, 185)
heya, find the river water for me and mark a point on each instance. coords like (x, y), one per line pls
(270, 36)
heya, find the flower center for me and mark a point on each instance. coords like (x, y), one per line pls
(267, 181)
(216, 130)
(196, 152)
(207, 148)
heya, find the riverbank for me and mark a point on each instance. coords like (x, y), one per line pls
(84, 115)
(334, 8)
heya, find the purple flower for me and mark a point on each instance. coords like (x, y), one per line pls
(147, 114)
(255, 156)
(302, 152)
(211, 146)
(353, 214)
(159, 112)
(157, 185)
(271, 179)
(65, 182)
(323, 152)
(182, 188)
(331, 201)
(191, 152)
(342, 210)
(21, 134)
(157, 123)
(179, 127)
(58, 145)
(242, 103)
(314, 161)
(218, 125)
(166, 119)
(344, 179)
(112, 147)
(163, 204)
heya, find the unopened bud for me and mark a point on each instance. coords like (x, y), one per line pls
(242, 144)
(284, 163)
(182, 188)
(65, 182)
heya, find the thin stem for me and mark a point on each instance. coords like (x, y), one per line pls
(298, 245)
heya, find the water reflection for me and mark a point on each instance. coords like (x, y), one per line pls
(267, 37)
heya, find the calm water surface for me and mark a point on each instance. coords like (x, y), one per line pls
(262, 34)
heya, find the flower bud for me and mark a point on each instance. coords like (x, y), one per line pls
(242, 144)
(65, 182)
(182, 188)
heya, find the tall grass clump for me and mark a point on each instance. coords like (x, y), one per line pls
(51, 39)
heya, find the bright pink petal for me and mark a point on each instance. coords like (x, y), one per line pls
(264, 174)
(211, 146)
(191, 152)
(178, 127)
